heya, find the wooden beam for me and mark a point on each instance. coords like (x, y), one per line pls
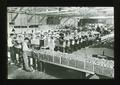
(48, 13)
(42, 19)
(89, 76)
(30, 18)
(60, 18)
(62, 14)
(16, 15)
(66, 20)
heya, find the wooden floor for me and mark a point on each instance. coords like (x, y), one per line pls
(52, 72)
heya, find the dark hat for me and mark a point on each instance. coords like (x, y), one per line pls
(11, 34)
(26, 38)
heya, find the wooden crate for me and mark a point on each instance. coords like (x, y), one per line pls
(108, 72)
(104, 71)
(56, 59)
(89, 66)
(79, 64)
(50, 58)
(98, 69)
(72, 62)
(64, 61)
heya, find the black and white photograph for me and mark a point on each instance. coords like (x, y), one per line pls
(60, 42)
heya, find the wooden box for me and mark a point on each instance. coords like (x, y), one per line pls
(50, 58)
(108, 72)
(56, 59)
(98, 69)
(72, 62)
(64, 61)
(79, 64)
(89, 66)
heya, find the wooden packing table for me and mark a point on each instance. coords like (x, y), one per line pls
(69, 61)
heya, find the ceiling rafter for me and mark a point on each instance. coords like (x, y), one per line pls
(34, 13)
(41, 19)
(16, 15)
(66, 20)
(30, 18)
(82, 11)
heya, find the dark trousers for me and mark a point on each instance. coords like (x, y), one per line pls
(13, 55)
(56, 48)
(79, 45)
(83, 44)
(61, 49)
(67, 49)
(75, 47)
(72, 48)
(41, 43)
(20, 56)
(90, 42)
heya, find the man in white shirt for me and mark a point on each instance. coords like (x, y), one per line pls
(18, 49)
(52, 44)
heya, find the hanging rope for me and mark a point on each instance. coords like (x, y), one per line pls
(11, 16)
(27, 20)
(35, 15)
(21, 23)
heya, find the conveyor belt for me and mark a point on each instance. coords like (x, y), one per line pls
(76, 63)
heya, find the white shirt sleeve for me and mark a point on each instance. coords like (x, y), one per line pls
(10, 42)
(25, 47)
(73, 42)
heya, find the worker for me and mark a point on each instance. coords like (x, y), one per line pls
(12, 49)
(61, 44)
(76, 45)
(70, 40)
(41, 41)
(52, 44)
(46, 41)
(98, 29)
(67, 49)
(19, 50)
(56, 43)
(73, 45)
(26, 52)
(35, 42)
(64, 45)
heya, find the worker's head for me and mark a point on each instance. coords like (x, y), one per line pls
(26, 40)
(12, 35)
